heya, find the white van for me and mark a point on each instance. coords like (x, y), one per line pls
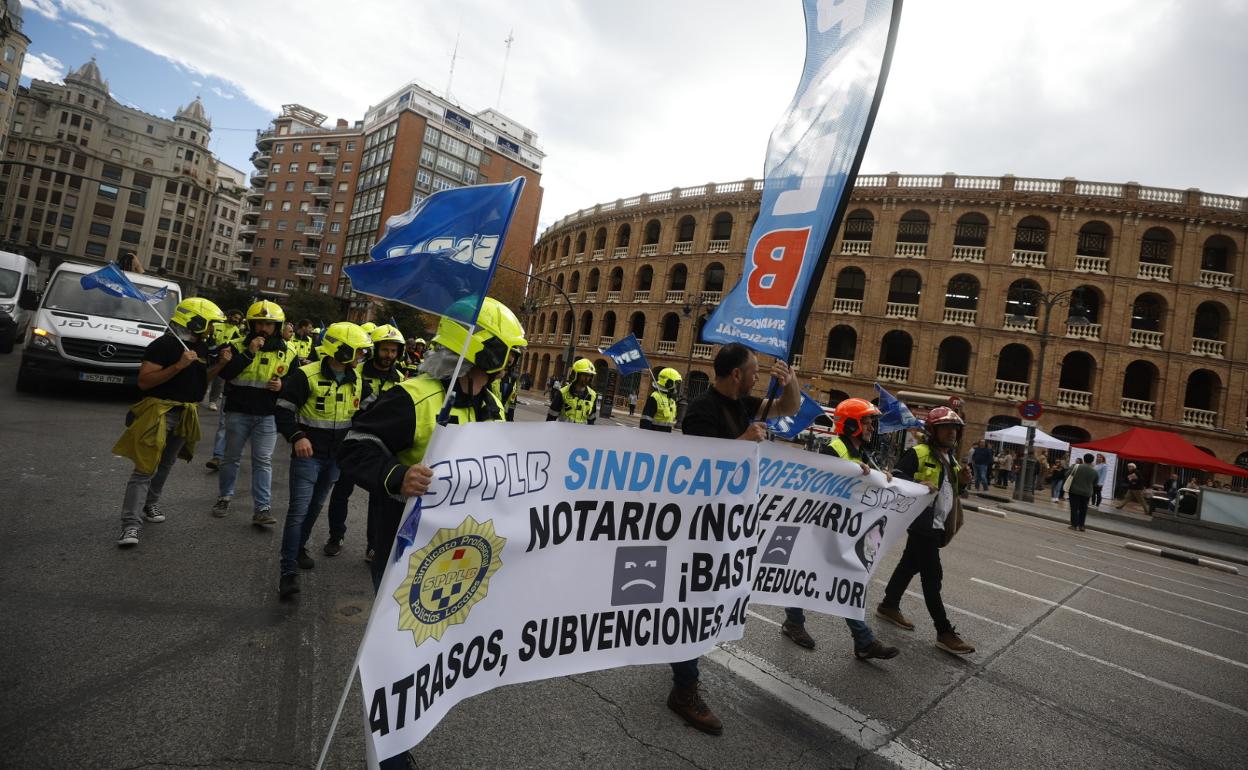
(87, 335)
(18, 279)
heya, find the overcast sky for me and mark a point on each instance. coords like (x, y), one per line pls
(645, 95)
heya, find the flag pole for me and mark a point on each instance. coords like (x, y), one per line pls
(166, 324)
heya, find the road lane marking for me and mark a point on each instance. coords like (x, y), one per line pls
(1142, 585)
(1153, 563)
(1115, 624)
(1124, 598)
(849, 723)
(948, 606)
(1240, 597)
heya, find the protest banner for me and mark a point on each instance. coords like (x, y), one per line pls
(545, 550)
(824, 527)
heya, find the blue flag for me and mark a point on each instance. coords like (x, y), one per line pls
(627, 355)
(812, 161)
(111, 280)
(894, 415)
(789, 427)
(440, 256)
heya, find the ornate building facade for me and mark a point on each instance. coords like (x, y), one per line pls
(1112, 304)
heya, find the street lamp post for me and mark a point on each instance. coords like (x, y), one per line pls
(570, 350)
(693, 310)
(1077, 317)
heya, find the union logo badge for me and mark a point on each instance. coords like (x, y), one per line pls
(447, 578)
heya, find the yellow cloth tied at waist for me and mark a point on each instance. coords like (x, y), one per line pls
(144, 440)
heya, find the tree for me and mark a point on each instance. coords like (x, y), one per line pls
(412, 322)
(229, 297)
(320, 309)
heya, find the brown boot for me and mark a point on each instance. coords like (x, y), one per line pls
(798, 635)
(949, 641)
(894, 616)
(688, 703)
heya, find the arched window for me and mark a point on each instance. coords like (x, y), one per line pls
(1202, 393)
(1002, 421)
(1239, 483)
(1090, 300)
(1077, 375)
(1218, 256)
(678, 277)
(671, 327)
(616, 281)
(1094, 240)
(904, 287)
(962, 293)
(622, 236)
(953, 357)
(591, 282)
(574, 283)
(699, 383)
(1071, 434)
(835, 397)
(1139, 389)
(713, 277)
(1210, 323)
(721, 231)
(1032, 234)
(554, 323)
(971, 230)
(913, 227)
(587, 323)
(685, 229)
(859, 227)
(653, 231)
(567, 322)
(895, 349)
(600, 239)
(608, 324)
(543, 371)
(851, 283)
(567, 245)
(645, 277)
(843, 347)
(559, 281)
(1157, 246)
(1013, 371)
(1020, 299)
(1148, 313)
(637, 325)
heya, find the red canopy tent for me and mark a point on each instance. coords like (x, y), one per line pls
(1159, 446)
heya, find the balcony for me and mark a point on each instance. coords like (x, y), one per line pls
(667, 347)
(264, 139)
(247, 231)
(717, 247)
(1085, 264)
(255, 195)
(1216, 279)
(712, 297)
(1074, 399)
(1141, 338)
(242, 267)
(1024, 258)
(797, 362)
(1150, 271)
(950, 381)
(649, 249)
(318, 212)
(598, 255)
(1211, 348)
(955, 315)
(1084, 332)
(305, 272)
(674, 296)
(1027, 324)
(578, 257)
(1142, 410)
(613, 296)
(847, 306)
(322, 192)
(701, 351)
(901, 310)
(563, 261)
(604, 341)
(1200, 418)
(620, 252)
(329, 153)
(843, 366)
(262, 159)
(565, 339)
(641, 296)
(911, 250)
(886, 373)
(976, 254)
(1010, 390)
(856, 247)
(249, 212)
(259, 177)
(309, 252)
(583, 341)
(326, 171)
(682, 247)
(246, 247)
(314, 233)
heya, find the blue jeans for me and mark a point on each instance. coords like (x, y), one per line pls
(338, 500)
(1056, 488)
(685, 673)
(218, 442)
(261, 430)
(143, 489)
(862, 633)
(310, 480)
(981, 475)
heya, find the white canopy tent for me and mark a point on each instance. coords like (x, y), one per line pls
(1018, 435)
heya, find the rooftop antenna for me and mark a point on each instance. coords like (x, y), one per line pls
(498, 105)
(450, 76)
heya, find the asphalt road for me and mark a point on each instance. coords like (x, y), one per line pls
(177, 653)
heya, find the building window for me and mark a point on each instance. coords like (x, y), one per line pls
(285, 205)
(290, 187)
(271, 283)
(279, 149)
(350, 146)
(276, 168)
(297, 147)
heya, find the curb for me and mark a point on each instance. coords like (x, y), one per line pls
(1183, 557)
(985, 511)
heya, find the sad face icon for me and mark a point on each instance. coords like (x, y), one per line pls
(780, 547)
(640, 571)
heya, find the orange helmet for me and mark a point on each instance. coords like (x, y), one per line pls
(850, 414)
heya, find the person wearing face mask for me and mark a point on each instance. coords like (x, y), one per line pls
(254, 378)
(933, 463)
(314, 411)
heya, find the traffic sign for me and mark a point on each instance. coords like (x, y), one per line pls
(1030, 410)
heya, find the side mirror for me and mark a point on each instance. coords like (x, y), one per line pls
(28, 300)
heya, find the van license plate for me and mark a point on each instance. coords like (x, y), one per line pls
(112, 379)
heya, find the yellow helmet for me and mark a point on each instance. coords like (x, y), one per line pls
(668, 379)
(266, 311)
(583, 366)
(386, 333)
(197, 314)
(497, 338)
(368, 327)
(345, 343)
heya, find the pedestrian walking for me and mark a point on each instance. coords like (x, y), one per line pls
(727, 410)
(659, 413)
(1082, 486)
(1135, 491)
(1056, 478)
(254, 376)
(1102, 471)
(981, 460)
(855, 423)
(632, 402)
(575, 402)
(164, 425)
(314, 411)
(930, 462)
(1005, 463)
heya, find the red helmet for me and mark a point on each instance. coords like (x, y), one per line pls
(942, 415)
(850, 413)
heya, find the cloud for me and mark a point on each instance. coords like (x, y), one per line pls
(43, 67)
(222, 93)
(43, 8)
(84, 28)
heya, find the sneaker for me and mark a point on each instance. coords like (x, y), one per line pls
(304, 560)
(369, 555)
(129, 537)
(212, 406)
(263, 518)
(153, 514)
(876, 650)
(798, 635)
(333, 547)
(214, 464)
(688, 703)
(288, 585)
(221, 508)
(894, 616)
(949, 641)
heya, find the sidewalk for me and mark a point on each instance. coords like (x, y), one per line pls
(1128, 524)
